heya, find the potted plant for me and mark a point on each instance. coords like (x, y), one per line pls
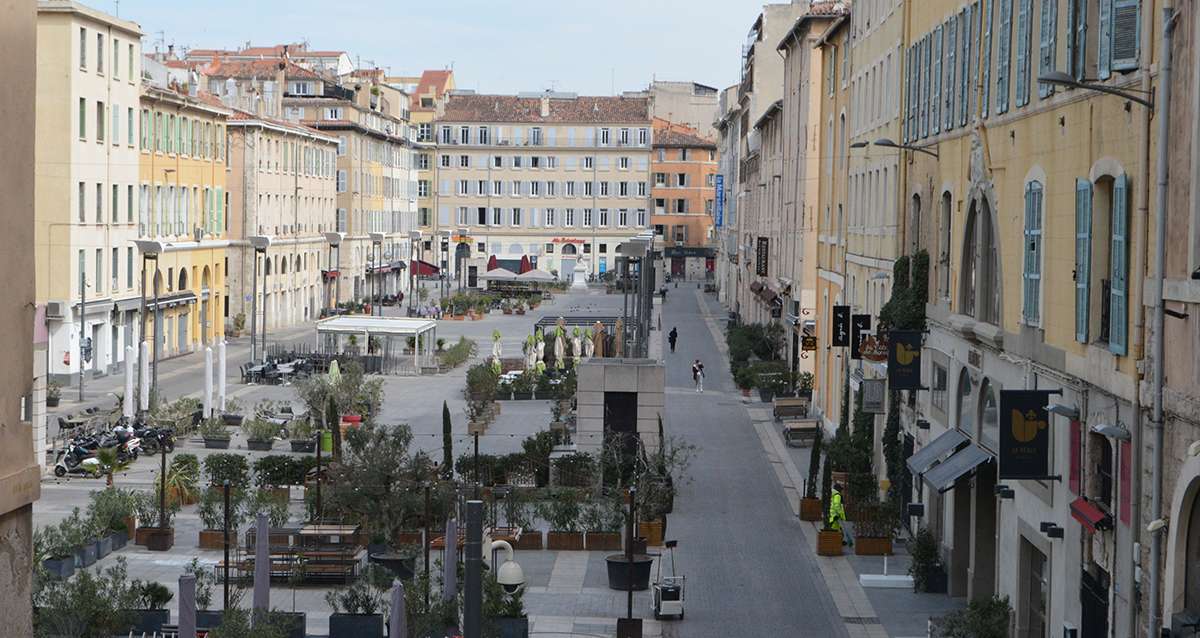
(55, 551)
(874, 525)
(206, 618)
(160, 537)
(926, 569)
(223, 467)
(577, 469)
(356, 610)
(519, 308)
(260, 434)
(561, 511)
(151, 612)
(522, 387)
(518, 513)
(232, 414)
(275, 472)
(182, 476)
(805, 380)
(505, 610)
(829, 540)
(112, 509)
(145, 509)
(744, 378)
(53, 394)
(810, 504)
(266, 502)
(215, 436)
(506, 307)
(603, 519)
(212, 517)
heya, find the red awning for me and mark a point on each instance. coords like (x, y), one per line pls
(422, 268)
(492, 263)
(525, 266)
(330, 274)
(1089, 515)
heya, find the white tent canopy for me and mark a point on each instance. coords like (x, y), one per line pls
(334, 333)
(535, 275)
(499, 274)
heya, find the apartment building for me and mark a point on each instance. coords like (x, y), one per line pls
(87, 177)
(335, 63)
(683, 168)
(688, 103)
(428, 99)
(282, 185)
(374, 179)
(556, 178)
(24, 377)
(725, 192)
(184, 204)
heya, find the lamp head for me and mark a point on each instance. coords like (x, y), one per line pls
(260, 242)
(886, 142)
(860, 145)
(1063, 410)
(376, 238)
(334, 239)
(149, 247)
(1057, 78)
(1113, 431)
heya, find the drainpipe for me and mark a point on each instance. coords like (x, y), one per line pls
(1163, 105)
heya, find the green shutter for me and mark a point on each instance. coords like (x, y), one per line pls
(1117, 314)
(1125, 34)
(1048, 45)
(1033, 252)
(1083, 256)
(985, 62)
(1104, 54)
(906, 121)
(1079, 28)
(1003, 56)
(1028, 312)
(220, 207)
(1024, 40)
(924, 84)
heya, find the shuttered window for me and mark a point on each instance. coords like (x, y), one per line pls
(1077, 38)
(935, 78)
(911, 87)
(985, 63)
(924, 87)
(1033, 253)
(951, 47)
(1125, 34)
(1083, 256)
(1047, 45)
(1104, 40)
(966, 37)
(1024, 41)
(1003, 55)
(1117, 314)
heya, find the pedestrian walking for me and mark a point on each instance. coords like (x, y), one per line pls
(837, 514)
(698, 375)
(672, 337)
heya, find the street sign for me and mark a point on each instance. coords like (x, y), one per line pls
(873, 393)
(841, 326)
(1024, 434)
(808, 344)
(859, 324)
(760, 256)
(720, 200)
(904, 360)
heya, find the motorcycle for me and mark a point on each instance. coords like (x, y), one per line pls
(76, 460)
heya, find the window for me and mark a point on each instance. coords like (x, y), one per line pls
(603, 218)
(1047, 45)
(129, 204)
(535, 161)
(481, 187)
(641, 217)
(569, 189)
(447, 135)
(1033, 253)
(464, 161)
(1119, 36)
(115, 268)
(604, 189)
(549, 249)
(937, 393)
(589, 162)
(1024, 42)
(989, 414)
(82, 118)
(518, 161)
(484, 135)
(623, 137)
(516, 217)
(643, 136)
(605, 137)
(964, 404)
(683, 154)
(569, 217)
(662, 155)
(497, 216)
(681, 179)
(425, 132)
(423, 161)
(660, 179)
(114, 208)
(82, 48)
(341, 180)
(550, 189)
(535, 136)
(130, 59)
(497, 161)
(980, 288)
(128, 267)
(445, 161)
(82, 202)
(623, 189)
(550, 221)
(944, 254)
(641, 189)
(516, 188)
(423, 188)
(114, 129)
(1034, 603)
(623, 217)
(587, 189)
(98, 280)
(587, 217)
(464, 135)
(681, 206)
(534, 188)
(461, 220)
(128, 126)
(497, 187)
(100, 53)
(99, 203)
(587, 248)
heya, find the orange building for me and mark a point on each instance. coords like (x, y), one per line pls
(684, 165)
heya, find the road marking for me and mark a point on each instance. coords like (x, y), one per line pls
(570, 568)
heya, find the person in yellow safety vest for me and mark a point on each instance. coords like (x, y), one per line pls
(837, 514)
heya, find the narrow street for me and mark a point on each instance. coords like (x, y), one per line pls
(749, 569)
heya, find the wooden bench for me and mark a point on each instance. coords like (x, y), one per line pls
(790, 407)
(800, 432)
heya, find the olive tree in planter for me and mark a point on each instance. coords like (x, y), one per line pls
(302, 437)
(55, 551)
(232, 415)
(260, 434)
(87, 605)
(227, 467)
(150, 612)
(53, 394)
(216, 437)
(357, 609)
(603, 519)
(212, 516)
(112, 509)
(561, 510)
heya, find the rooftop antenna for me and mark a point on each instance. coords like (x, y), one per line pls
(117, 10)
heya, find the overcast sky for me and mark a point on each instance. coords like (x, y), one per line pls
(505, 46)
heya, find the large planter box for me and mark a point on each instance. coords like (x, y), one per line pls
(829, 543)
(652, 531)
(303, 445)
(765, 395)
(216, 444)
(140, 535)
(937, 583)
(212, 539)
(148, 621)
(355, 625)
(810, 509)
(104, 547)
(208, 619)
(602, 541)
(408, 538)
(565, 541)
(60, 567)
(159, 539)
(52, 402)
(294, 623)
(232, 419)
(119, 540)
(618, 572)
(260, 446)
(867, 546)
(530, 539)
(85, 555)
(513, 627)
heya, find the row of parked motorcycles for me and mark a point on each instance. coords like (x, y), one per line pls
(128, 437)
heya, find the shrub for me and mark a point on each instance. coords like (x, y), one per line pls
(205, 579)
(364, 596)
(212, 510)
(562, 510)
(576, 470)
(109, 509)
(259, 429)
(91, 604)
(457, 354)
(926, 560)
(227, 467)
(275, 506)
(275, 470)
(537, 450)
(214, 430)
(151, 595)
(985, 618)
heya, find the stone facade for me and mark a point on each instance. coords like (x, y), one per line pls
(645, 377)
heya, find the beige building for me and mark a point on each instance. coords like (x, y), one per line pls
(88, 89)
(283, 185)
(555, 178)
(687, 103)
(428, 100)
(23, 379)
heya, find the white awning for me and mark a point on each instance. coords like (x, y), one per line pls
(358, 324)
(535, 275)
(499, 274)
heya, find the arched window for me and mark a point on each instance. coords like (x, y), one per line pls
(980, 288)
(964, 405)
(183, 279)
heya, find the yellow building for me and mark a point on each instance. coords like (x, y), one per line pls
(184, 204)
(428, 100)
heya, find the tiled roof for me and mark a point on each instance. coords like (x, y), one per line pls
(579, 110)
(222, 68)
(676, 139)
(817, 10)
(432, 83)
(244, 116)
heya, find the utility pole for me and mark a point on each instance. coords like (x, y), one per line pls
(473, 587)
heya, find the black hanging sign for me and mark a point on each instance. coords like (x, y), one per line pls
(808, 343)
(904, 360)
(860, 324)
(760, 256)
(1024, 434)
(841, 327)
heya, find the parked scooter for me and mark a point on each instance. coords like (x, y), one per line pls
(76, 460)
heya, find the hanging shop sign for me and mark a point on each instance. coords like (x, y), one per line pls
(761, 255)
(859, 326)
(1024, 434)
(873, 393)
(720, 200)
(808, 343)
(841, 326)
(874, 348)
(904, 359)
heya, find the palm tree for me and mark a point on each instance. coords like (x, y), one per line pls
(110, 463)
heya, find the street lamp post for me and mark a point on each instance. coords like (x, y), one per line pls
(414, 238)
(82, 323)
(444, 283)
(150, 249)
(335, 241)
(260, 244)
(376, 244)
(458, 264)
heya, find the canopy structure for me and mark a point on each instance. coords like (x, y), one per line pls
(499, 274)
(424, 268)
(535, 275)
(387, 337)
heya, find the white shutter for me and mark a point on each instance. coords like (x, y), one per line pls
(1125, 34)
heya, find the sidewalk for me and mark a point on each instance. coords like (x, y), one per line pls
(867, 613)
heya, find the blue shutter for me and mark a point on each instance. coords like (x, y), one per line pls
(1117, 316)
(935, 91)
(1024, 39)
(1104, 54)
(1073, 69)
(1125, 34)
(1033, 253)
(905, 122)
(1049, 45)
(1083, 256)
(985, 62)
(923, 78)
(1028, 311)
(964, 63)
(951, 50)
(973, 18)
(1003, 56)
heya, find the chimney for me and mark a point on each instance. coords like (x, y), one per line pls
(545, 105)
(280, 87)
(170, 51)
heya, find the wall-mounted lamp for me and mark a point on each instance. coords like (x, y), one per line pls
(929, 149)
(1157, 525)
(1058, 78)
(1112, 431)
(1055, 531)
(1064, 410)
(922, 424)
(859, 145)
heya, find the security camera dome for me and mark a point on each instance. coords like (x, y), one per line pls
(511, 577)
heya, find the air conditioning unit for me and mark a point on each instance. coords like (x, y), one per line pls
(198, 233)
(56, 309)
